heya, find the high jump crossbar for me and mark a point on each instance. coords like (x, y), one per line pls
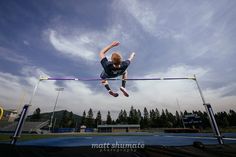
(115, 79)
(208, 107)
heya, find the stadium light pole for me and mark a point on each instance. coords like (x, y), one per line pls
(181, 115)
(58, 93)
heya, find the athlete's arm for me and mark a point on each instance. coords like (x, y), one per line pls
(131, 56)
(108, 47)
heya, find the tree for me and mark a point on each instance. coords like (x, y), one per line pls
(163, 119)
(98, 120)
(89, 119)
(68, 120)
(170, 119)
(152, 118)
(36, 115)
(178, 120)
(225, 122)
(64, 120)
(167, 114)
(157, 120)
(120, 117)
(232, 118)
(133, 116)
(83, 120)
(222, 119)
(71, 120)
(125, 117)
(185, 112)
(109, 120)
(145, 120)
(139, 115)
(204, 117)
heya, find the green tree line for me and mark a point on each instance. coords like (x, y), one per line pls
(153, 118)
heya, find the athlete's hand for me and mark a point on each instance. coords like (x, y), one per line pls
(132, 54)
(115, 43)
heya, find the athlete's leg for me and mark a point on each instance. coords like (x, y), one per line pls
(122, 88)
(106, 85)
(124, 77)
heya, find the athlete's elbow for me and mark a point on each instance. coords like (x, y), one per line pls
(101, 55)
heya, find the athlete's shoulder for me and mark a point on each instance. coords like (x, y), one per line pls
(104, 59)
(126, 62)
(105, 62)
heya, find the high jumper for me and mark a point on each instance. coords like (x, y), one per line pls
(114, 68)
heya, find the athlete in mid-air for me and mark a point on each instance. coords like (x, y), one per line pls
(115, 67)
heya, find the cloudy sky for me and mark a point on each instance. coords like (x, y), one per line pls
(171, 39)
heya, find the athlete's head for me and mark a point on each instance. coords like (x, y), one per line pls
(116, 58)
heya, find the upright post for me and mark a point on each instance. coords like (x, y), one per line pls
(210, 114)
(35, 89)
(23, 115)
(20, 124)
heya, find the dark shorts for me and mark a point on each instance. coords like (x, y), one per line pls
(104, 75)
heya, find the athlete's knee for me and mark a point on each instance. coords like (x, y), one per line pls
(125, 75)
(104, 82)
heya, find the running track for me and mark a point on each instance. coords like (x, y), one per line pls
(138, 138)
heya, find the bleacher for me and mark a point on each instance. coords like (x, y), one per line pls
(29, 127)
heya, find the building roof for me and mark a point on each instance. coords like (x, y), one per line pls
(119, 126)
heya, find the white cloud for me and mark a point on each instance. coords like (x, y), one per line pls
(142, 12)
(153, 17)
(26, 42)
(12, 56)
(73, 47)
(85, 45)
(165, 93)
(220, 99)
(193, 27)
(11, 90)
